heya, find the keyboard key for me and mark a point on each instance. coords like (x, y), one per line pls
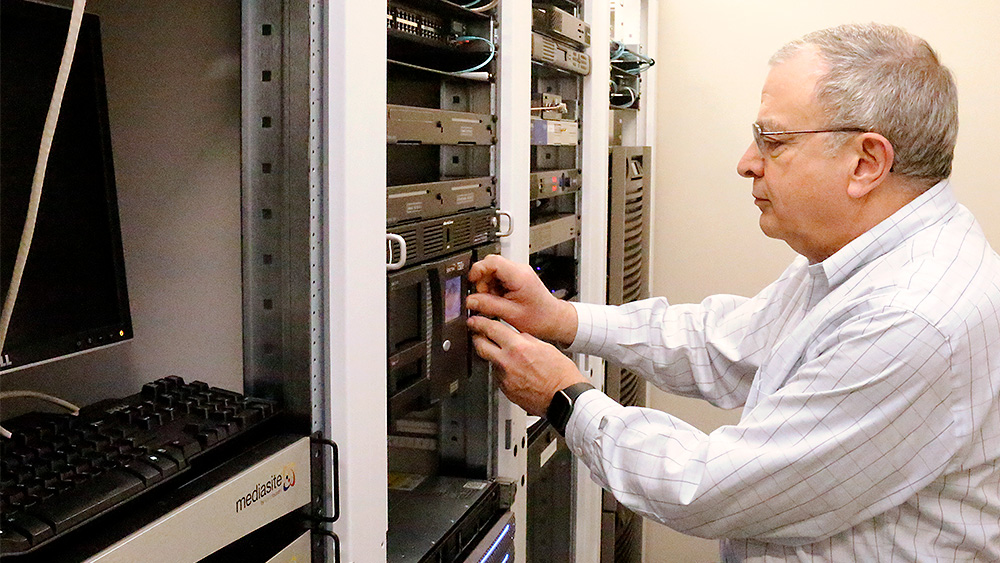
(167, 465)
(199, 385)
(147, 423)
(33, 529)
(164, 457)
(247, 417)
(76, 505)
(208, 437)
(188, 446)
(13, 542)
(173, 382)
(125, 416)
(144, 471)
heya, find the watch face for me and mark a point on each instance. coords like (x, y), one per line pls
(559, 411)
(561, 406)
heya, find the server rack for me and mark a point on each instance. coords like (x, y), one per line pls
(444, 492)
(349, 169)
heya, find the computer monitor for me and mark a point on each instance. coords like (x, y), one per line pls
(73, 296)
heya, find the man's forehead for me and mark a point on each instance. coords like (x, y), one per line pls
(788, 96)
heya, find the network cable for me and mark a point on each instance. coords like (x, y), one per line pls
(629, 91)
(468, 38)
(622, 56)
(489, 6)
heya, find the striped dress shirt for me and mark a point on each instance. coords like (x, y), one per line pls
(870, 387)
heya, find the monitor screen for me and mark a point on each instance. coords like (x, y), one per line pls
(73, 295)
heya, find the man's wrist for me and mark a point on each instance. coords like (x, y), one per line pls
(567, 324)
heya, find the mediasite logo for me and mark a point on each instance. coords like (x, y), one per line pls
(276, 484)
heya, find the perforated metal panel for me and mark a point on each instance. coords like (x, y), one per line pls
(628, 224)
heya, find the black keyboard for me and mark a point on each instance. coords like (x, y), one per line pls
(59, 472)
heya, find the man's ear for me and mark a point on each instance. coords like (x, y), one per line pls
(873, 157)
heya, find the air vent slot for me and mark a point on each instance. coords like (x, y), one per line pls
(433, 239)
(630, 388)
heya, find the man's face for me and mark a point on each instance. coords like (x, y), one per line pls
(800, 185)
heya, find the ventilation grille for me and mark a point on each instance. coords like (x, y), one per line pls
(632, 394)
(436, 237)
(628, 221)
(548, 50)
(461, 230)
(632, 278)
(482, 228)
(434, 241)
(410, 236)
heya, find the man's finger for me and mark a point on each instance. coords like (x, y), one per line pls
(486, 348)
(485, 268)
(502, 335)
(493, 274)
(491, 305)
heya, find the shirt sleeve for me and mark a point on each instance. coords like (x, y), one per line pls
(700, 350)
(864, 422)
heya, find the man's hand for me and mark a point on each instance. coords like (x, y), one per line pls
(528, 370)
(514, 293)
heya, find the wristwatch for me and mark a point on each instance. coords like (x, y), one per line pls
(561, 406)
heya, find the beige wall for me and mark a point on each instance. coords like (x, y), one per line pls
(711, 62)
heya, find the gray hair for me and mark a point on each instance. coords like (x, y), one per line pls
(883, 79)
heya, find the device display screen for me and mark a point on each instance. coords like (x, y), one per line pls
(452, 298)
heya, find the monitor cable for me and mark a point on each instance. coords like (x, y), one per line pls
(51, 118)
(73, 409)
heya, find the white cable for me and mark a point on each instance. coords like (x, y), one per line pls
(73, 409)
(561, 107)
(75, 19)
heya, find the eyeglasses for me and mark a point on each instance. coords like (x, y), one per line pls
(761, 137)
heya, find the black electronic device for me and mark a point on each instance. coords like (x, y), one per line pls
(549, 511)
(432, 238)
(73, 295)
(441, 519)
(412, 202)
(428, 340)
(59, 472)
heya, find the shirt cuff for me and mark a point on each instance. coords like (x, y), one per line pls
(595, 328)
(586, 421)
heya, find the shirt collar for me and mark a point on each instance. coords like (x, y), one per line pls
(928, 208)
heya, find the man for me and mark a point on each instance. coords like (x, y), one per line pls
(868, 373)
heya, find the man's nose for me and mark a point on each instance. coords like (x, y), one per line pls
(751, 164)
